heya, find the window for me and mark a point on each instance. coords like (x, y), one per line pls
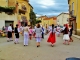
(69, 7)
(72, 8)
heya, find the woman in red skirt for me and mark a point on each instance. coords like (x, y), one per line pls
(52, 37)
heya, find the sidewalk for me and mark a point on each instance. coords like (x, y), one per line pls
(76, 36)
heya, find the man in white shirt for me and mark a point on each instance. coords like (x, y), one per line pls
(9, 33)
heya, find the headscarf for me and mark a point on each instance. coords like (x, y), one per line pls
(66, 27)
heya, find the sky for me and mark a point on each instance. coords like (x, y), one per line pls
(49, 7)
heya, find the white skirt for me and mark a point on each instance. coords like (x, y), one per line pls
(57, 33)
(66, 37)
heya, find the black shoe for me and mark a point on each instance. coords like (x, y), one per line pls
(37, 46)
(24, 45)
(14, 42)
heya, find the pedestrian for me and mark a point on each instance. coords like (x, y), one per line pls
(26, 34)
(70, 33)
(17, 31)
(58, 30)
(30, 33)
(9, 34)
(46, 29)
(52, 37)
(38, 36)
(42, 32)
(21, 29)
(12, 32)
(66, 35)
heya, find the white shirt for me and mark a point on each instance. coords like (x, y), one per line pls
(63, 28)
(21, 28)
(10, 28)
(18, 30)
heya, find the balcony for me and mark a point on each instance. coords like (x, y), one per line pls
(22, 10)
(8, 10)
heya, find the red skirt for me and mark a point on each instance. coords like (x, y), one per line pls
(52, 38)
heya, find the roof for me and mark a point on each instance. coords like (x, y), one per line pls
(54, 18)
(30, 5)
(62, 13)
(46, 18)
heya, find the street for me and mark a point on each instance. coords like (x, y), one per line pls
(11, 51)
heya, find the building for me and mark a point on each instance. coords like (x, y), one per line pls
(74, 16)
(15, 12)
(7, 15)
(62, 19)
(24, 9)
(49, 21)
(42, 19)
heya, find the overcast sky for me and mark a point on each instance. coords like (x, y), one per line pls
(49, 7)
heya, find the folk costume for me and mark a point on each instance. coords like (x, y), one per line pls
(70, 34)
(58, 31)
(26, 35)
(9, 33)
(38, 35)
(43, 32)
(17, 31)
(66, 35)
(52, 36)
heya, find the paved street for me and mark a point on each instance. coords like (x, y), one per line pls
(10, 51)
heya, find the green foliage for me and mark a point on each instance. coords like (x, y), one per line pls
(38, 21)
(6, 9)
(32, 17)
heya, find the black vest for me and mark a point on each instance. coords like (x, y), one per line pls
(16, 30)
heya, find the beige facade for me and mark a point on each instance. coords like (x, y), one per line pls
(19, 14)
(62, 19)
(4, 19)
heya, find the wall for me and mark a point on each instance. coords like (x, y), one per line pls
(27, 11)
(62, 19)
(11, 3)
(4, 3)
(4, 17)
(78, 16)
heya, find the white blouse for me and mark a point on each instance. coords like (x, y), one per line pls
(10, 28)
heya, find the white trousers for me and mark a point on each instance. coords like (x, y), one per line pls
(16, 40)
(26, 38)
(38, 39)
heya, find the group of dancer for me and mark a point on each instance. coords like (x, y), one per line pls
(38, 32)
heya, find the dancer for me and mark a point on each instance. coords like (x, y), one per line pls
(52, 37)
(30, 33)
(66, 35)
(12, 32)
(21, 29)
(38, 31)
(70, 33)
(42, 32)
(17, 31)
(26, 35)
(9, 33)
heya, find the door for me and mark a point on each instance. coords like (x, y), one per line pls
(7, 23)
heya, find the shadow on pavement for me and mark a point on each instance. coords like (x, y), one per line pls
(72, 58)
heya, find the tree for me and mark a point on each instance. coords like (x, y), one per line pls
(38, 21)
(32, 17)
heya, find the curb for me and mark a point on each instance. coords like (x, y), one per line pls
(76, 36)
